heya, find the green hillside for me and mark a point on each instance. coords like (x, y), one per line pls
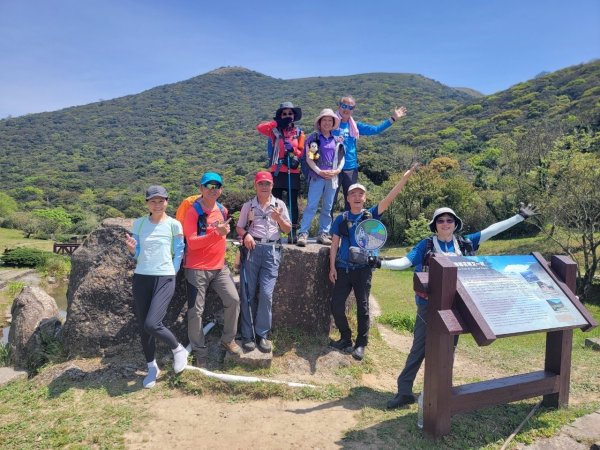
(172, 133)
(62, 172)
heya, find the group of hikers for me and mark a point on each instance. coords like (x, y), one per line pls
(160, 244)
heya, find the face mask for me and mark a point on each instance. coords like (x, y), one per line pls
(283, 122)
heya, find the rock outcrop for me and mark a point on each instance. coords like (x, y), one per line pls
(34, 314)
(100, 304)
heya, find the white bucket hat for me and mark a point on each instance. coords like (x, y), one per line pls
(440, 211)
(327, 112)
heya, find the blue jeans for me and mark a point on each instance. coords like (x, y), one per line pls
(319, 188)
(259, 268)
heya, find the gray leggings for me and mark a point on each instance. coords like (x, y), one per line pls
(152, 295)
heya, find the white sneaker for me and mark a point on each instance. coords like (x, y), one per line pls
(150, 379)
(180, 357)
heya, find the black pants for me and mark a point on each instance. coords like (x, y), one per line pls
(293, 211)
(152, 295)
(359, 281)
(346, 178)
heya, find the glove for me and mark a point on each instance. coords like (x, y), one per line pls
(527, 210)
(374, 262)
(294, 161)
(283, 122)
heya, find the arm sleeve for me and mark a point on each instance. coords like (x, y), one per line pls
(313, 166)
(416, 254)
(369, 130)
(266, 127)
(178, 247)
(499, 227)
(396, 264)
(138, 246)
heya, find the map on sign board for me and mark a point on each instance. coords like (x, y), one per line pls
(515, 294)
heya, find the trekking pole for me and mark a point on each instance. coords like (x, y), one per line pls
(290, 198)
(248, 300)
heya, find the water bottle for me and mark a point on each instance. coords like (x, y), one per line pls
(420, 411)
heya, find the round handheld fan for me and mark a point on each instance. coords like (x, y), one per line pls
(370, 234)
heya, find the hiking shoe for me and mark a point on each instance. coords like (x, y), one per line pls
(248, 345)
(264, 345)
(232, 347)
(150, 379)
(200, 362)
(343, 345)
(180, 357)
(358, 353)
(324, 239)
(400, 400)
(302, 240)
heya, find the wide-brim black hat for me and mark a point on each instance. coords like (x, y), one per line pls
(289, 105)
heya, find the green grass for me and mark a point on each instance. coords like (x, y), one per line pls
(79, 414)
(10, 238)
(60, 416)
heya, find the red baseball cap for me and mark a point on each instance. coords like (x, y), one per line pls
(263, 176)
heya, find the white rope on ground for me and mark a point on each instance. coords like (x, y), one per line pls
(238, 378)
(514, 433)
(244, 379)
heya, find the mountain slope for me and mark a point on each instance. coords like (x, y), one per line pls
(174, 132)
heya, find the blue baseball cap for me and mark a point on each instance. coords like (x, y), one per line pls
(209, 177)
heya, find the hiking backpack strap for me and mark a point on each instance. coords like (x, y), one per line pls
(202, 225)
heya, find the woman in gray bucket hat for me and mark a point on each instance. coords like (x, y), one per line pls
(445, 224)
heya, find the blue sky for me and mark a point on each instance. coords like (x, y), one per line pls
(59, 53)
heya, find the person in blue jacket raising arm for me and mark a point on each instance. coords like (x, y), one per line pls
(350, 130)
(445, 224)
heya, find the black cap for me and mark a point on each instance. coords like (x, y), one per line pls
(156, 191)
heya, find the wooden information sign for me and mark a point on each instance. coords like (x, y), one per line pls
(493, 297)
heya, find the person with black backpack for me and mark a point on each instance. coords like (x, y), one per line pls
(350, 270)
(287, 144)
(445, 224)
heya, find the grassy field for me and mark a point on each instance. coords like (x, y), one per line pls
(94, 407)
(10, 238)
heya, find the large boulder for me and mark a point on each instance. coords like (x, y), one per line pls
(34, 314)
(100, 304)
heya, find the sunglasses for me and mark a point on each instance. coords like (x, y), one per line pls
(444, 221)
(287, 114)
(212, 186)
(348, 107)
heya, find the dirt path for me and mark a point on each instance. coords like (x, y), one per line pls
(197, 422)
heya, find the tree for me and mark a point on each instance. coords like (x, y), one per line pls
(8, 205)
(574, 206)
(572, 202)
(53, 221)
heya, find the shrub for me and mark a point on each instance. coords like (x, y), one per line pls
(56, 266)
(25, 257)
(399, 321)
(4, 355)
(14, 287)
